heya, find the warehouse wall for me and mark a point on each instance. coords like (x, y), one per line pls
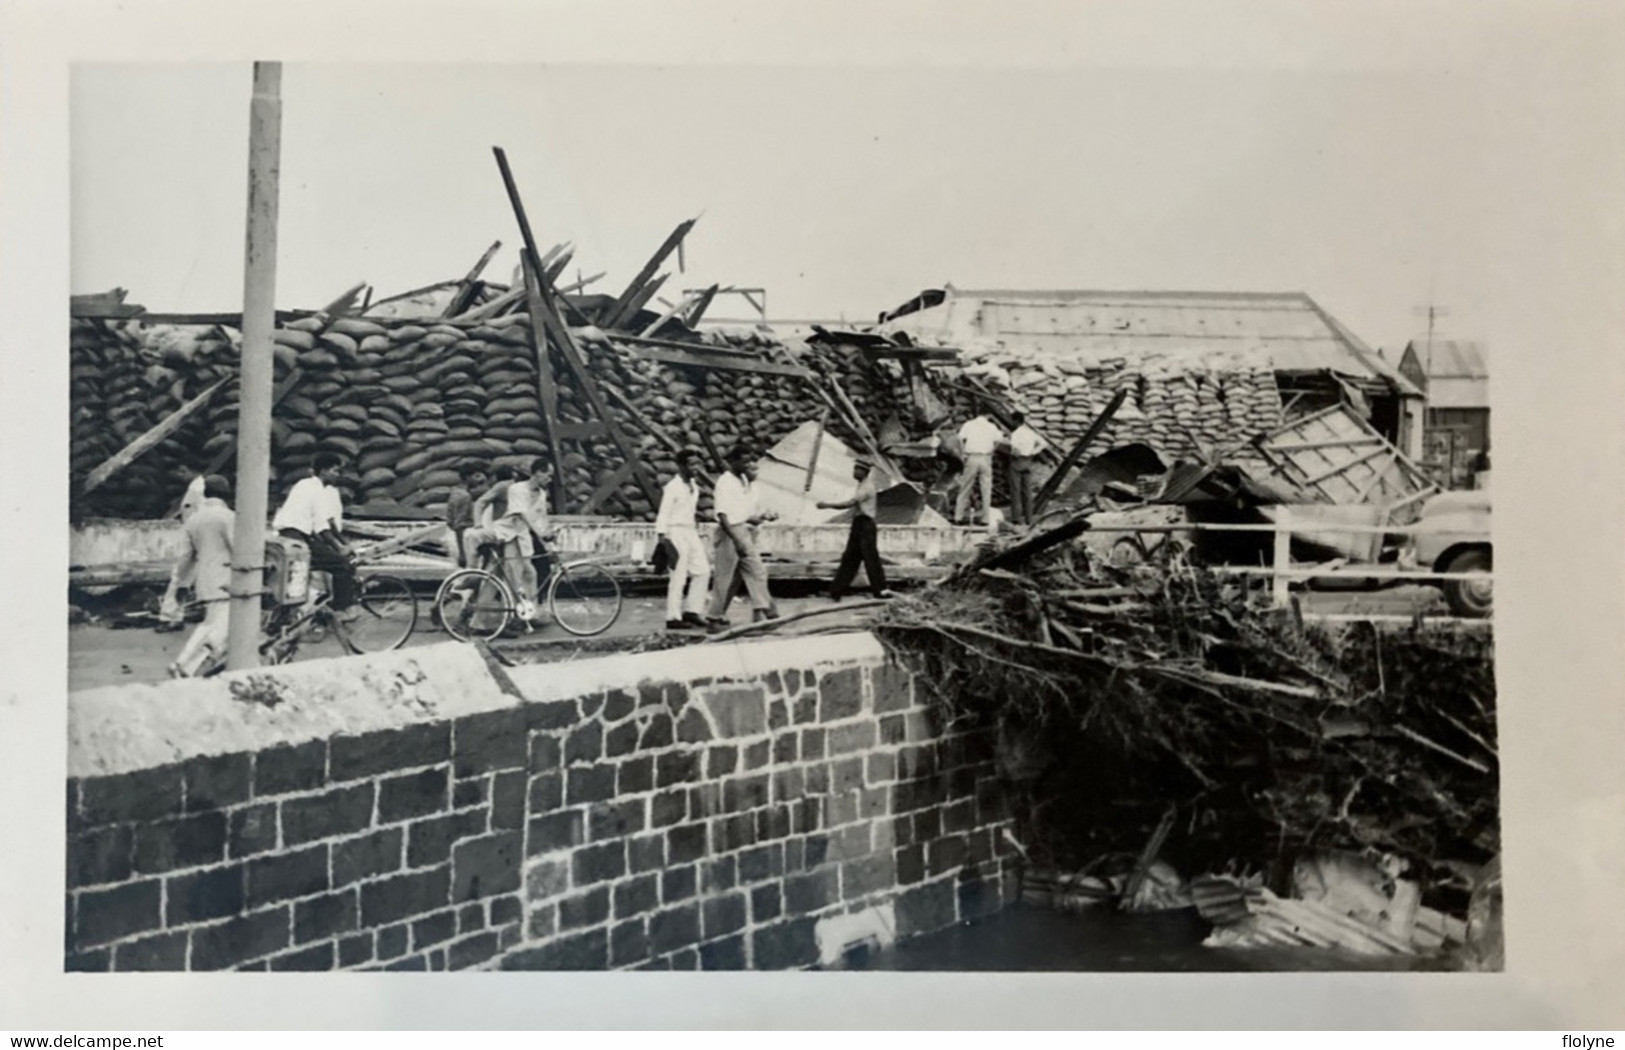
(753, 805)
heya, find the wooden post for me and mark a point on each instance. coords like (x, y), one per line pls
(1280, 581)
(619, 312)
(1054, 483)
(167, 426)
(254, 400)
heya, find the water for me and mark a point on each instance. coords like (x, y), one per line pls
(1033, 939)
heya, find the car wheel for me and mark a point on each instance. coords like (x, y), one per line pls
(1469, 598)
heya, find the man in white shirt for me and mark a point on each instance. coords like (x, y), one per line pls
(861, 545)
(980, 437)
(1025, 445)
(313, 513)
(674, 525)
(521, 520)
(735, 546)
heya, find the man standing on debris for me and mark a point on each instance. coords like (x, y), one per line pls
(520, 523)
(460, 505)
(207, 562)
(685, 555)
(860, 541)
(735, 546)
(1025, 445)
(980, 436)
(313, 514)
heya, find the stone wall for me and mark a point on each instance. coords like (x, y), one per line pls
(761, 805)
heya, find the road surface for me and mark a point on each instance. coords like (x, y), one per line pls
(100, 655)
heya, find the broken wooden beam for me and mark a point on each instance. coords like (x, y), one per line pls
(165, 427)
(1053, 483)
(469, 286)
(620, 312)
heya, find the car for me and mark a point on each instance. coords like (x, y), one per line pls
(1453, 535)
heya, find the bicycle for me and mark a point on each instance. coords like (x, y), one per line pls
(478, 604)
(386, 608)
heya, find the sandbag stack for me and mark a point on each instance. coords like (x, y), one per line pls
(1176, 401)
(406, 402)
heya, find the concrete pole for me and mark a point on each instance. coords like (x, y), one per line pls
(254, 401)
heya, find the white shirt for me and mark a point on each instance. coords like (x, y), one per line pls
(526, 505)
(1024, 441)
(311, 507)
(678, 502)
(735, 498)
(980, 436)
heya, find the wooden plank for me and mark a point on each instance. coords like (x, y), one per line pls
(577, 431)
(671, 312)
(1315, 446)
(221, 458)
(643, 421)
(1344, 468)
(812, 461)
(732, 364)
(469, 287)
(496, 306)
(165, 427)
(230, 320)
(1378, 477)
(640, 300)
(619, 312)
(546, 392)
(607, 487)
(702, 304)
(346, 302)
(1053, 484)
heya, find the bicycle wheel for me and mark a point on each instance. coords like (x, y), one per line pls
(473, 604)
(386, 613)
(584, 599)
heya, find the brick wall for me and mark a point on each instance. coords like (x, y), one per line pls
(433, 813)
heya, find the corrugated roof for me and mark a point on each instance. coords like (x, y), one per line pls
(1289, 328)
(1452, 358)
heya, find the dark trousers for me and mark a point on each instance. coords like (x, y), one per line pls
(326, 557)
(1021, 489)
(860, 548)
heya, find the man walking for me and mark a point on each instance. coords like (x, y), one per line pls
(313, 513)
(674, 525)
(171, 615)
(1025, 445)
(860, 541)
(735, 545)
(980, 437)
(207, 562)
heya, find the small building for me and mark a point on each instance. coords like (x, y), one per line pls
(1455, 376)
(1315, 359)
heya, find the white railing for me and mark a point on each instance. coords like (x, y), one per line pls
(1282, 571)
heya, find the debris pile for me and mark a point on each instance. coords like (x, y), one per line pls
(1164, 685)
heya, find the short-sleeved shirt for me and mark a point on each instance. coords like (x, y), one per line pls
(980, 436)
(1024, 441)
(868, 496)
(311, 508)
(678, 502)
(734, 498)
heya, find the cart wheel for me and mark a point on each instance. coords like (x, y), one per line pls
(1126, 553)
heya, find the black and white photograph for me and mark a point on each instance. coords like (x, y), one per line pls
(561, 514)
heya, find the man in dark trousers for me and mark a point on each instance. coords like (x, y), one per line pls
(314, 514)
(860, 541)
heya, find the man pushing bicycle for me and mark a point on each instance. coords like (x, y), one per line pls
(519, 522)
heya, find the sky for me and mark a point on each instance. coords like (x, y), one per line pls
(841, 189)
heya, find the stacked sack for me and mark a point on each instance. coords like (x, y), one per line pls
(1177, 402)
(406, 402)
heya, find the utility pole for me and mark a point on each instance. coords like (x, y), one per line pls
(1433, 313)
(254, 400)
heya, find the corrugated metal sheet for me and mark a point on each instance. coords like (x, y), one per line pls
(1287, 330)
